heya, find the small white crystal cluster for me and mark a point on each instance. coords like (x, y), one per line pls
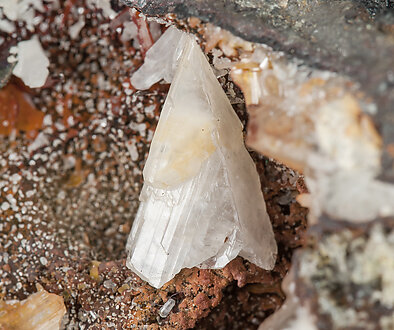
(314, 121)
(105, 5)
(31, 61)
(201, 204)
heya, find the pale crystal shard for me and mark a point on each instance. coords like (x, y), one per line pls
(32, 65)
(160, 60)
(201, 204)
(41, 310)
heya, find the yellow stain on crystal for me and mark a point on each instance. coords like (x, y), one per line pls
(246, 75)
(189, 148)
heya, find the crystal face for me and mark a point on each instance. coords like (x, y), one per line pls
(201, 204)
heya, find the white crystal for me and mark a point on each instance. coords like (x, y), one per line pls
(76, 28)
(32, 66)
(130, 31)
(161, 60)
(201, 204)
(7, 26)
(166, 308)
(105, 5)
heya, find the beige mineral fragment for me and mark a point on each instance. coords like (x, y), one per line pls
(40, 311)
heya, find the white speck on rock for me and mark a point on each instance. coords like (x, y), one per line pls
(40, 141)
(132, 151)
(5, 206)
(108, 284)
(44, 261)
(47, 120)
(30, 193)
(15, 178)
(75, 29)
(150, 109)
(12, 59)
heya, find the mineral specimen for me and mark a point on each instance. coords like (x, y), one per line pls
(201, 203)
(339, 36)
(58, 221)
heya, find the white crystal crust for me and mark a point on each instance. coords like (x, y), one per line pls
(201, 204)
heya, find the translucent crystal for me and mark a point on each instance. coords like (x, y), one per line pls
(166, 308)
(201, 204)
(161, 60)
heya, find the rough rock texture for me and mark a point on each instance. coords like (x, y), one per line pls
(343, 279)
(5, 66)
(339, 36)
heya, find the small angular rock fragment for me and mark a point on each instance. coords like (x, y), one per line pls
(41, 310)
(32, 65)
(201, 204)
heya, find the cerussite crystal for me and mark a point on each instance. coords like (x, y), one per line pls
(201, 204)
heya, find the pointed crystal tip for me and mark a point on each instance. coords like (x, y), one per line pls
(201, 204)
